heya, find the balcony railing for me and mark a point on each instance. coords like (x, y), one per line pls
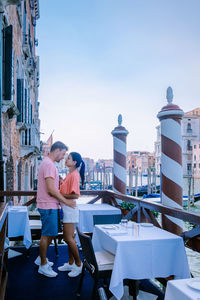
(142, 211)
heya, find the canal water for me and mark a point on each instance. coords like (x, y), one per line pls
(194, 184)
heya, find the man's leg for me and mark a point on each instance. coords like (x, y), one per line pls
(45, 241)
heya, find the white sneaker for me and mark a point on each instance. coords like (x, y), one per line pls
(46, 270)
(38, 261)
(66, 267)
(75, 271)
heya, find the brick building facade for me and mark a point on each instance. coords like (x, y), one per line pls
(190, 131)
(20, 81)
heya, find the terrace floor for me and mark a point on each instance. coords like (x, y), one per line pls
(24, 282)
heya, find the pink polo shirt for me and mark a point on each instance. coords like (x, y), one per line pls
(47, 169)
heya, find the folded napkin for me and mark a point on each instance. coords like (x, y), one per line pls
(104, 257)
(117, 232)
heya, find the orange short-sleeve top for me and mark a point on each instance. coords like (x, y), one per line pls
(71, 183)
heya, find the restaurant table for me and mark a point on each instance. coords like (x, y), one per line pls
(182, 289)
(87, 211)
(18, 224)
(152, 253)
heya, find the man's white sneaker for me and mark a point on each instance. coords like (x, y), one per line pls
(46, 270)
(38, 261)
(76, 271)
(66, 267)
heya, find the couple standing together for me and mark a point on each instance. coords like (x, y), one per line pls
(48, 200)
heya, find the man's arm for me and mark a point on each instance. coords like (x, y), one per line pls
(71, 196)
(54, 193)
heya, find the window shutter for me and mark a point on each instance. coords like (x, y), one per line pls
(32, 115)
(25, 106)
(20, 99)
(7, 54)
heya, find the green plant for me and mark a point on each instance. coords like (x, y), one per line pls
(127, 205)
(155, 213)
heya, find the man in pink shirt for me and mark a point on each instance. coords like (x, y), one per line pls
(48, 198)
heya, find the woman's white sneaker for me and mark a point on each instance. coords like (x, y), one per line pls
(46, 270)
(66, 267)
(76, 271)
(38, 261)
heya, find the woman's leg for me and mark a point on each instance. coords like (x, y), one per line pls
(68, 232)
(65, 231)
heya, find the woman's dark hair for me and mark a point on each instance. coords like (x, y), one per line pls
(79, 162)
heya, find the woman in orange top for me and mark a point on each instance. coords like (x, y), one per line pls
(70, 187)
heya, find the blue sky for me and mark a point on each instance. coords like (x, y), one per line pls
(99, 58)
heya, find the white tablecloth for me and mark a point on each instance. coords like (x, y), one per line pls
(87, 211)
(155, 253)
(180, 290)
(18, 224)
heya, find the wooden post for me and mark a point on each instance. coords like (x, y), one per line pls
(193, 186)
(171, 159)
(104, 176)
(130, 180)
(119, 160)
(154, 181)
(136, 181)
(189, 192)
(149, 180)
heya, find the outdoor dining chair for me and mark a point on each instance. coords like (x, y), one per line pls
(107, 219)
(98, 264)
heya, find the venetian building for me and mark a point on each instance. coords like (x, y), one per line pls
(190, 131)
(20, 82)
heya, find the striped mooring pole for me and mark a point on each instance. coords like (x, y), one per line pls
(119, 154)
(171, 162)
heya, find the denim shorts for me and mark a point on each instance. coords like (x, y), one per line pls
(49, 219)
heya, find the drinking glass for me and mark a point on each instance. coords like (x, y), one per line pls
(124, 223)
(137, 230)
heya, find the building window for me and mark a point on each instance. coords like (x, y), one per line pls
(194, 166)
(195, 157)
(20, 99)
(189, 168)
(26, 138)
(189, 146)
(195, 146)
(189, 128)
(7, 63)
(31, 177)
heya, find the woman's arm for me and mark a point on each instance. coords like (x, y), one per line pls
(71, 196)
